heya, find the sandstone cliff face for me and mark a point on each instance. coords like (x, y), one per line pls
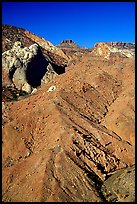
(119, 44)
(114, 49)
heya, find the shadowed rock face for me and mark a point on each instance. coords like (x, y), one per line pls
(36, 69)
(26, 67)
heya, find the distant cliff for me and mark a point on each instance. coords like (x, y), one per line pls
(114, 49)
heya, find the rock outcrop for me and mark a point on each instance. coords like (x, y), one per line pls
(11, 34)
(68, 44)
(67, 41)
(25, 60)
(72, 50)
(26, 57)
(27, 67)
(119, 45)
(114, 49)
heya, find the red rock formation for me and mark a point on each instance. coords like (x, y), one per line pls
(67, 41)
(72, 50)
(63, 145)
(121, 49)
(118, 44)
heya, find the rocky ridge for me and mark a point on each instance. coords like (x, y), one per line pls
(114, 49)
(11, 34)
(72, 50)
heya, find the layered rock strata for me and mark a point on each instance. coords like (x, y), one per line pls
(11, 34)
(114, 49)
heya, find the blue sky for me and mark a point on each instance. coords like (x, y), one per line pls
(83, 22)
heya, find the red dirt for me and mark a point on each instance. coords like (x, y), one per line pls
(58, 146)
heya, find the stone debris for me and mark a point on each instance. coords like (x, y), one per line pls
(34, 91)
(52, 88)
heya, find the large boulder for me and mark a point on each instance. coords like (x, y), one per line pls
(120, 186)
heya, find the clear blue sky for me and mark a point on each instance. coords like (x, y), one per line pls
(83, 22)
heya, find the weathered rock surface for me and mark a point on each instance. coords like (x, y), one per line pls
(120, 186)
(27, 67)
(26, 57)
(18, 61)
(11, 34)
(119, 45)
(114, 49)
